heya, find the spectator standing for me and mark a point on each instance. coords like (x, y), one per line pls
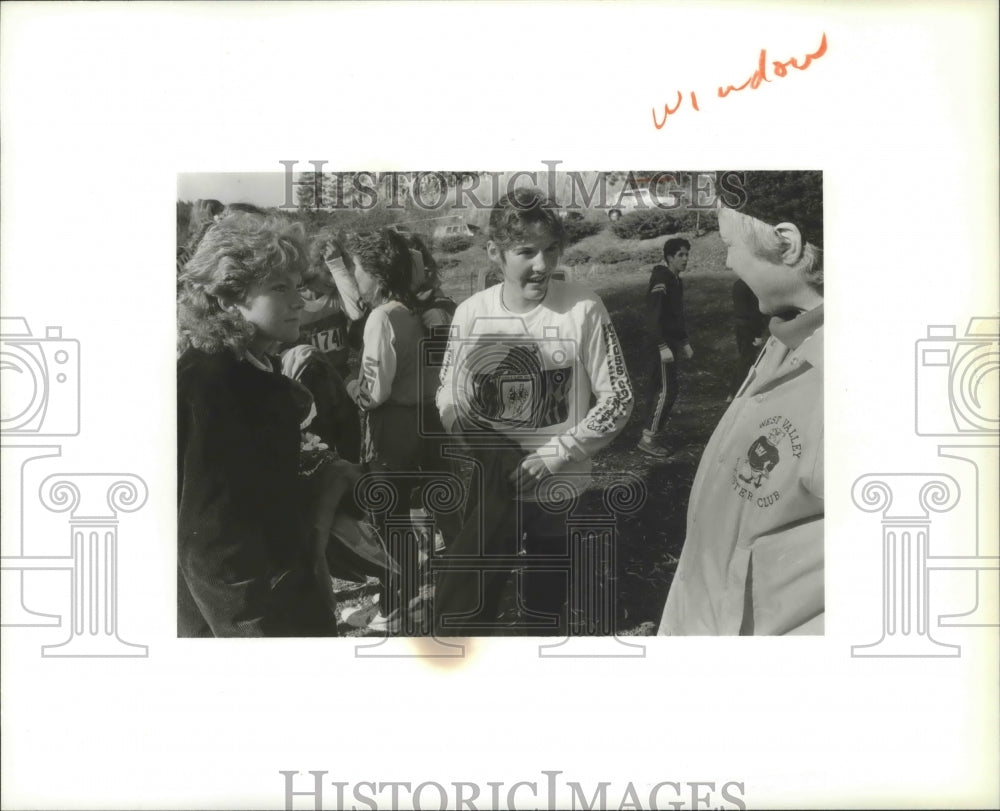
(667, 342)
(751, 332)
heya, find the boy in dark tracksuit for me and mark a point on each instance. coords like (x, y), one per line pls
(666, 340)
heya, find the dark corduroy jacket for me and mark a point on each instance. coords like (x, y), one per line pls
(242, 556)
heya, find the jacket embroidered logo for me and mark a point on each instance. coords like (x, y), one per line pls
(762, 457)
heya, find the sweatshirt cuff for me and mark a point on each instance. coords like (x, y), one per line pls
(564, 448)
(448, 418)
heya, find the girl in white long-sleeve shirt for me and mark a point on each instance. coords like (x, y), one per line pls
(389, 389)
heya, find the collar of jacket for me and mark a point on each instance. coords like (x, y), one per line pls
(794, 332)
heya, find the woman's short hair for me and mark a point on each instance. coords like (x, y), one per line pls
(416, 243)
(518, 212)
(384, 255)
(765, 241)
(237, 252)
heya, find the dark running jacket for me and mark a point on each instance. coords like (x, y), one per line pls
(665, 309)
(242, 556)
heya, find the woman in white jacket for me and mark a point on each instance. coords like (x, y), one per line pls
(752, 561)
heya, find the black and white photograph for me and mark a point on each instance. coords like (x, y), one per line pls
(505, 427)
(447, 405)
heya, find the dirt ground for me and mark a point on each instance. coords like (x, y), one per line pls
(649, 538)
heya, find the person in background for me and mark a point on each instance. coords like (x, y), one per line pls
(751, 332)
(752, 561)
(666, 340)
(435, 311)
(434, 308)
(389, 389)
(320, 358)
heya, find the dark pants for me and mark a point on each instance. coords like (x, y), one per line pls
(337, 420)
(406, 444)
(392, 446)
(467, 602)
(433, 459)
(662, 388)
(746, 355)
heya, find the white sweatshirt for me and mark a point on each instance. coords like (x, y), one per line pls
(531, 376)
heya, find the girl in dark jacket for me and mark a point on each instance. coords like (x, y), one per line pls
(254, 510)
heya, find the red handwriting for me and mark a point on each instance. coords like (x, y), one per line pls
(757, 78)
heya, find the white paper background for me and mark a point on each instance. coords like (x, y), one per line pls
(104, 104)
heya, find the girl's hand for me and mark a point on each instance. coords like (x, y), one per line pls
(533, 469)
(331, 251)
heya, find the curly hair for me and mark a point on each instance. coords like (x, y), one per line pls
(518, 212)
(317, 250)
(237, 252)
(385, 255)
(203, 214)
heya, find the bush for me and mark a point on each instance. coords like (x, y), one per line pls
(577, 229)
(183, 222)
(447, 263)
(649, 256)
(710, 220)
(454, 244)
(612, 256)
(645, 224)
(576, 256)
(690, 221)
